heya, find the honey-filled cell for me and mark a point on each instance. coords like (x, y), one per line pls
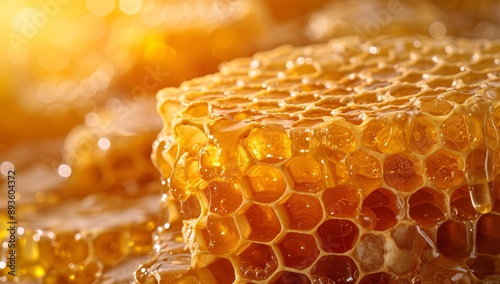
(220, 270)
(365, 172)
(223, 234)
(259, 223)
(444, 169)
(266, 183)
(337, 235)
(382, 204)
(379, 135)
(303, 212)
(428, 207)
(496, 187)
(488, 234)
(257, 262)
(454, 132)
(423, 136)
(402, 171)
(268, 145)
(306, 174)
(338, 136)
(484, 267)
(435, 106)
(335, 268)
(341, 201)
(223, 197)
(304, 139)
(453, 239)
(461, 208)
(298, 251)
(290, 277)
(379, 278)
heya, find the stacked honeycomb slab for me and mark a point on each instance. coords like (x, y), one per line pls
(347, 162)
(94, 212)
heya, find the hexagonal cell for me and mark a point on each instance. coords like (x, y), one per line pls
(453, 239)
(220, 270)
(369, 251)
(428, 207)
(488, 234)
(298, 250)
(266, 183)
(496, 186)
(423, 135)
(379, 278)
(257, 262)
(337, 269)
(180, 185)
(222, 233)
(365, 171)
(341, 201)
(443, 169)
(461, 208)
(443, 269)
(382, 204)
(222, 197)
(484, 266)
(190, 137)
(210, 164)
(435, 106)
(338, 166)
(337, 235)
(290, 277)
(306, 174)
(378, 136)
(338, 137)
(268, 145)
(259, 223)
(303, 211)
(454, 132)
(402, 171)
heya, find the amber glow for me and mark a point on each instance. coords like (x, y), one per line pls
(355, 161)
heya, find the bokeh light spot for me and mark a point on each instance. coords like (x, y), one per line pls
(64, 170)
(100, 7)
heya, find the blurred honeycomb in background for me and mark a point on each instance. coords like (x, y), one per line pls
(77, 88)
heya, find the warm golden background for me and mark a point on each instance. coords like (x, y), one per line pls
(77, 115)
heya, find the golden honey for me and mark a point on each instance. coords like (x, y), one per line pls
(347, 162)
(353, 162)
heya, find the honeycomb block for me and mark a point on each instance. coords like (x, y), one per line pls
(78, 240)
(346, 162)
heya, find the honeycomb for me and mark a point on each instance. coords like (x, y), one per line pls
(353, 161)
(98, 211)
